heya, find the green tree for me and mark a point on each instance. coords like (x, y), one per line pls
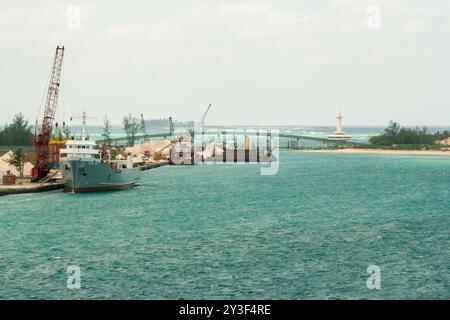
(442, 135)
(394, 134)
(18, 133)
(106, 134)
(392, 129)
(18, 160)
(116, 151)
(131, 126)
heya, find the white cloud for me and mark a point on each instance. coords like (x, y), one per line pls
(245, 20)
(31, 21)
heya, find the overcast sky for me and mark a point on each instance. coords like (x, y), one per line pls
(283, 62)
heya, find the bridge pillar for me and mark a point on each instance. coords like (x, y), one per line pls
(224, 146)
(269, 143)
(257, 146)
(235, 148)
(192, 147)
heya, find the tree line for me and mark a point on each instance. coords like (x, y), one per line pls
(394, 134)
(132, 126)
(20, 133)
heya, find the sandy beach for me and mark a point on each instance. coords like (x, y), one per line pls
(381, 151)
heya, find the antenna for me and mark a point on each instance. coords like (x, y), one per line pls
(83, 118)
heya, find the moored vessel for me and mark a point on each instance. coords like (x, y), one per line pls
(84, 169)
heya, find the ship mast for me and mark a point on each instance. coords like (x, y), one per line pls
(83, 126)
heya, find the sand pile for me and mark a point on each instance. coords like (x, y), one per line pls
(444, 142)
(4, 166)
(213, 148)
(151, 146)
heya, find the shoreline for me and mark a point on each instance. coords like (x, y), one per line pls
(382, 151)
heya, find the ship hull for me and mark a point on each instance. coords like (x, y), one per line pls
(91, 176)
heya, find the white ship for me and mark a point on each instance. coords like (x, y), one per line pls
(84, 170)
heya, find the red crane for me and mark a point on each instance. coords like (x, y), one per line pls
(43, 131)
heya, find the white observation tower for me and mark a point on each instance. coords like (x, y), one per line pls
(339, 133)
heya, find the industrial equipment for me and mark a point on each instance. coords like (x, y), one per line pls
(205, 114)
(43, 131)
(158, 154)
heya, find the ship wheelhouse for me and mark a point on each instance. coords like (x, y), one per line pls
(80, 150)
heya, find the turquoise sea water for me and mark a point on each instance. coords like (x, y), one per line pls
(225, 231)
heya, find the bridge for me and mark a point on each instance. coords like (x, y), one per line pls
(342, 142)
(163, 135)
(14, 148)
(294, 138)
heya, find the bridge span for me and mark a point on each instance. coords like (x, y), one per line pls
(239, 132)
(295, 139)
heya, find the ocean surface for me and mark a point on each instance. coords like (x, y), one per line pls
(226, 232)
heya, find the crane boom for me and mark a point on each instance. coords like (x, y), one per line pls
(205, 114)
(43, 131)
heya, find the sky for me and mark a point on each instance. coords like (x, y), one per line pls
(284, 62)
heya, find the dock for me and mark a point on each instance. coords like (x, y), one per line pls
(30, 187)
(35, 187)
(153, 165)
